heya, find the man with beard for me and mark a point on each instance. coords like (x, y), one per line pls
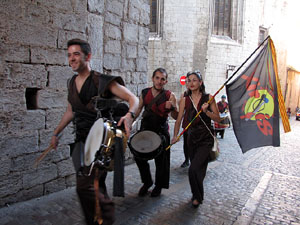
(155, 118)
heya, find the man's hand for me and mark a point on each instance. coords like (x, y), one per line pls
(127, 120)
(54, 142)
(169, 105)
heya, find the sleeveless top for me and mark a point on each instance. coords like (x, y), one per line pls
(198, 135)
(156, 118)
(83, 103)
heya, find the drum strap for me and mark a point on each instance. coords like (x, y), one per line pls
(118, 182)
(157, 97)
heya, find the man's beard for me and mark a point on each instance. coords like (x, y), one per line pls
(158, 89)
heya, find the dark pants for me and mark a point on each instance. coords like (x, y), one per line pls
(86, 192)
(162, 173)
(159, 125)
(199, 160)
(185, 147)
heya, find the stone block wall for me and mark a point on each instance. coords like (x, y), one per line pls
(182, 43)
(187, 44)
(225, 53)
(33, 77)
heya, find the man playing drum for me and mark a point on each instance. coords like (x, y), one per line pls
(223, 108)
(157, 103)
(223, 105)
(82, 88)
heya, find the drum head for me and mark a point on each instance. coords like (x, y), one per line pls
(145, 141)
(93, 142)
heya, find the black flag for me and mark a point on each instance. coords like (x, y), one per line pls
(253, 102)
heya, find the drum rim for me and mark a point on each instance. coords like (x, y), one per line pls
(89, 154)
(145, 133)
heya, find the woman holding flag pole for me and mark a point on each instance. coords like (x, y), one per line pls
(200, 140)
(200, 134)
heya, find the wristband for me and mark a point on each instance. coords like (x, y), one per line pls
(56, 135)
(132, 114)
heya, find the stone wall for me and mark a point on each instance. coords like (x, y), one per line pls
(222, 53)
(33, 76)
(181, 44)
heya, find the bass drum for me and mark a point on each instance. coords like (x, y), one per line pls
(146, 145)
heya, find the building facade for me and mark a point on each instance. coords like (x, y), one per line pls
(292, 94)
(212, 36)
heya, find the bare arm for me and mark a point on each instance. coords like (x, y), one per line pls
(141, 105)
(174, 112)
(178, 120)
(65, 120)
(123, 93)
(214, 113)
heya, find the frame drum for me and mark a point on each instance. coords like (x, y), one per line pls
(145, 145)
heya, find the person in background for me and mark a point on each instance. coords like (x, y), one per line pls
(185, 122)
(223, 105)
(224, 110)
(289, 112)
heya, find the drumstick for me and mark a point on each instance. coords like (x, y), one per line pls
(45, 152)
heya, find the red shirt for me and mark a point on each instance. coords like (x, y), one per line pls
(222, 106)
(159, 107)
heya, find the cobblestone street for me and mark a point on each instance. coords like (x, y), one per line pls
(261, 186)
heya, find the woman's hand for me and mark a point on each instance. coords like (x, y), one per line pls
(204, 107)
(174, 140)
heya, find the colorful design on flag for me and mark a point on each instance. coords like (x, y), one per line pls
(260, 108)
(253, 102)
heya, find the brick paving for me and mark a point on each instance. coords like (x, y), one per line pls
(261, 186)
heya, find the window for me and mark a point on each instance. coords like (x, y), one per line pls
(263, 33)
(222, 17)
(228, 18)
(155, 17)
(31, 96)
(229, 71)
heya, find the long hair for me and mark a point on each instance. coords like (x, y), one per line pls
(199, 76)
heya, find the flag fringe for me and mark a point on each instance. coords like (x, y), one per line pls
(282, 109)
